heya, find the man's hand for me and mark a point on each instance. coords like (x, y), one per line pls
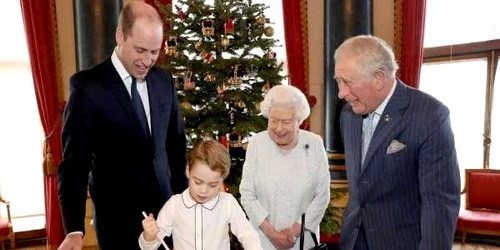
(72, 242)
(151, 228)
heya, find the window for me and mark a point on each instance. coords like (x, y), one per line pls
(21, 177)
(461, 50)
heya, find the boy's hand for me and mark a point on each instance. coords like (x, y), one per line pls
(151, 228)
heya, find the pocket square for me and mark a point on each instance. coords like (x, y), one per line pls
(395, 147)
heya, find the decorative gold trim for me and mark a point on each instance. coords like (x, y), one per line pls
(336, 156)
(305, 43)
(398, 30)
(337, 168)
(56, 50)
(339, 182)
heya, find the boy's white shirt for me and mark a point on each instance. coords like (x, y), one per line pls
(203, 226)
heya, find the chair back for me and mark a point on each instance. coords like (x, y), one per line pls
(482, 190)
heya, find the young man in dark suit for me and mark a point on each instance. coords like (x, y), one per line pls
(122, 137)
(404, 181)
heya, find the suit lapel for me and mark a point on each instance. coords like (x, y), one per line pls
(121, 94)
(154, 103)
(389, 121)
(357, 140)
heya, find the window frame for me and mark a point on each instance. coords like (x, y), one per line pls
(489, 50)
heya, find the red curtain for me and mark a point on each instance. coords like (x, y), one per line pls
(409, 39)
(295, 25)
(41, 33)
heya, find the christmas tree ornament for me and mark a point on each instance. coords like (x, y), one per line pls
(207, 57)
(209, 78)
(270, 54)
(269, 31)
(232, 117)
(180, 13)
(178, 82)
(223, 140)
(189, 85)
(220, 91)
(249, 30)
(234, 140)
(261, 20)
(235, 75)
(198, 46)
(229, 26)
(186, 105)
(266, 88)
(240, 103)
(224, 42)
(188, 82)
(171, 45)
(252, 71)
(207, 27)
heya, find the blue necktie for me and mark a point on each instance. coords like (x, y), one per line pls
(139, 107)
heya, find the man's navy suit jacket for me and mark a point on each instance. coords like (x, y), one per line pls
(408, 199)
(105, 150)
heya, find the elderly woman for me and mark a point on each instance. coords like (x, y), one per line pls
(285, 173)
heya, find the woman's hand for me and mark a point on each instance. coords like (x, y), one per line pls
(284, 239)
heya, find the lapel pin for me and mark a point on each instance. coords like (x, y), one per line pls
(387, 118)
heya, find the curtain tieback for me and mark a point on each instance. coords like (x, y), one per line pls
(49, 168)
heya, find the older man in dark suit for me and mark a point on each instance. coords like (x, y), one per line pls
(404, 181)
(122, 137)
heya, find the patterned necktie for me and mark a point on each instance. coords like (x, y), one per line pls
(139, 107)
(368, 130)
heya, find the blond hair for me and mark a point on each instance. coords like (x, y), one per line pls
(214, 154)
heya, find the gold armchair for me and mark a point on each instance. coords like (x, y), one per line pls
(6, 231)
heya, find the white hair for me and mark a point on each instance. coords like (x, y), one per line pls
(289, 97)
(371, 53)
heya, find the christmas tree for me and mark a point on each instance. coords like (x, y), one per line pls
(222, 61)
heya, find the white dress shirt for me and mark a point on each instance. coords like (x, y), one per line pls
(142, 87)
(203, 226)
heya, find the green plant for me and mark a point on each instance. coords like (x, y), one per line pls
(330, 224)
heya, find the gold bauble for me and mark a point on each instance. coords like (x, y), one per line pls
(261, 20)
(186, 105)
(268, 31)
(224, 42)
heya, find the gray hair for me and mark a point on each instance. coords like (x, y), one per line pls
(289, 97)
(371, 53)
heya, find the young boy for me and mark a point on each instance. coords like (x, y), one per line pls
(199, 218)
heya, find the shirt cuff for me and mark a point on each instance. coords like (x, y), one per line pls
(76, 232)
